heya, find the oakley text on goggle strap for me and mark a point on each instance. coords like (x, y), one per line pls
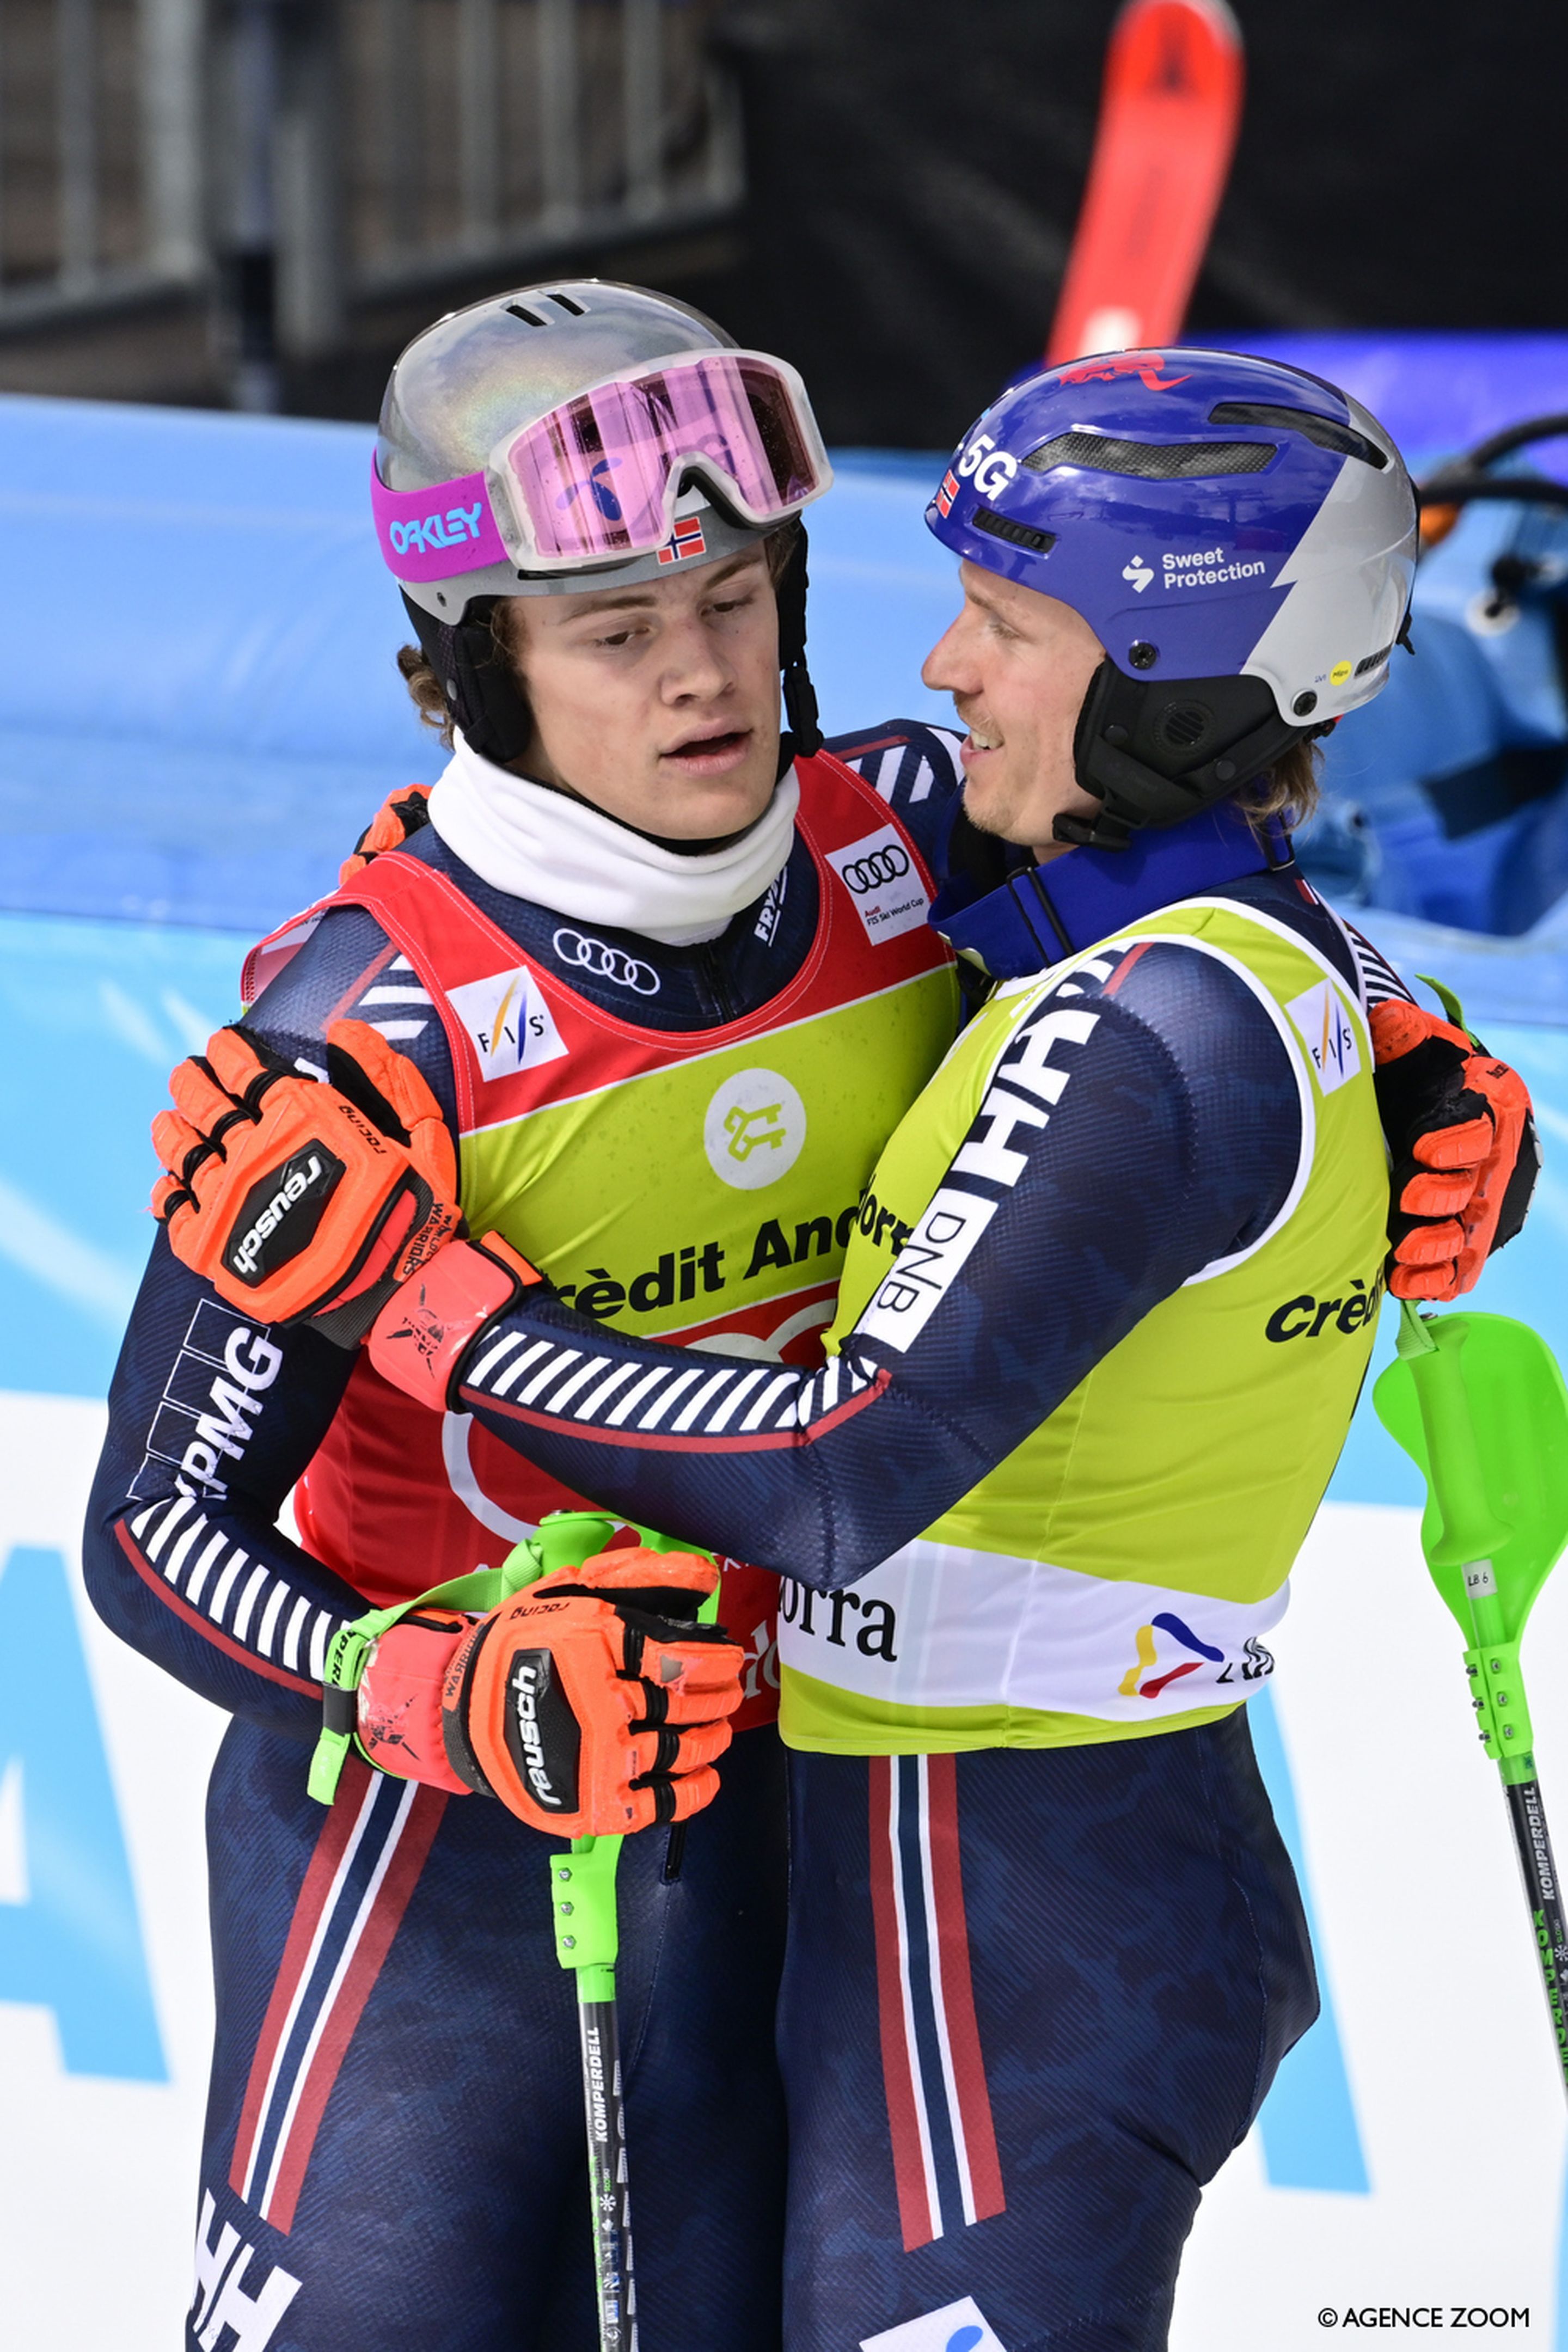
(435, 534)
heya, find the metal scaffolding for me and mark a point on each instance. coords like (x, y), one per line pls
(298, 156)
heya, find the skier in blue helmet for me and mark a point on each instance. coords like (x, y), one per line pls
(1105, 1312)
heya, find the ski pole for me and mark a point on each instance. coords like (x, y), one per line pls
(587, 1941)
(1479, 1403)
(583, 1890)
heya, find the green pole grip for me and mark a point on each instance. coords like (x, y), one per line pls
(583, 1903)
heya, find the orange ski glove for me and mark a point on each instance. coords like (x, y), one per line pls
(301, 1200)
(593, 1702)
(400, 816)
(1465, 1156)
(399, 1699)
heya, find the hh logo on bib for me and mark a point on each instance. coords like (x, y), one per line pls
(1327, 1033)
(879, 874)
(510, 1024)
(956, 2327)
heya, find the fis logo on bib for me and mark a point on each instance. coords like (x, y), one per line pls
(509, 1021)
(1328, 1033)
(1140, 1681)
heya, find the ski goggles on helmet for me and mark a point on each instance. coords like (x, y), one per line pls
(596, 478)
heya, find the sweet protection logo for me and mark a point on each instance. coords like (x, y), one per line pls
(1138, 572)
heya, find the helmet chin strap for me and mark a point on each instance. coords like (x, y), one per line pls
(802, 734)
(1154, 753)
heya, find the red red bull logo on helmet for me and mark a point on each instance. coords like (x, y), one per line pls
(1146, 364)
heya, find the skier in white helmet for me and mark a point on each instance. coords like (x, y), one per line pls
(657, 1041)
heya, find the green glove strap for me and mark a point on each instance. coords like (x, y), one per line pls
(565, 1539)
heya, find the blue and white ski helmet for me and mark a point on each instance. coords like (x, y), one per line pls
(1214, 518)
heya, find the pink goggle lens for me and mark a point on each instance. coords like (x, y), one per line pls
(598, 476)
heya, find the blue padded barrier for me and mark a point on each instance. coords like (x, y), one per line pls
(204, 710)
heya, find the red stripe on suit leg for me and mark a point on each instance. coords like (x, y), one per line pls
(375, 1941)
(915, 2219)
(336, 1831)
(958, 1989)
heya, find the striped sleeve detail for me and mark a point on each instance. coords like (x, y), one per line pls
(677, 1404)
(396, 1003)
(903, 762)
(1380, 983)
(238, 1603)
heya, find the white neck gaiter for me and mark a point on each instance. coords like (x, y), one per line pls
(533, 843)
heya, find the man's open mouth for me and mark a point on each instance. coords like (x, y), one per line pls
(725, 743)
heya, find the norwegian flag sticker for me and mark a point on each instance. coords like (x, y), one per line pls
(947, 491)
(688, 540)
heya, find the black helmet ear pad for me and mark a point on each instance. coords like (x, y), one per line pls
(1156, 751)
(482, 694)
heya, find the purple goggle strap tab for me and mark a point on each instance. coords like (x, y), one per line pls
(434, 534)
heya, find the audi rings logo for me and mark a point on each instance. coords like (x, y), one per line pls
(605, 962)
(881, 866)
(883, 882)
